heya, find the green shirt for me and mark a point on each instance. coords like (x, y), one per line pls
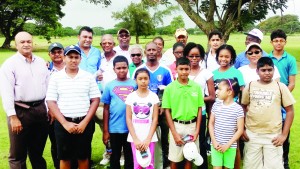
(183, 100)
(132, 68)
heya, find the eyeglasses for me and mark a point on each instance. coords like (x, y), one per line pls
(107, 43)
(122, 35)
(136, 54)
(278, 41)
(194, 56)
(255, 52)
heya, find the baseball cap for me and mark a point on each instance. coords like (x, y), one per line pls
(55, 45)
(72, 48)
(180, 31)
(123, 30)
(256, 33)
(253, 44)
(190, 152)
(143, 158)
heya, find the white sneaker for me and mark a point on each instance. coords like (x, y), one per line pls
(122, 162)
(104, 161)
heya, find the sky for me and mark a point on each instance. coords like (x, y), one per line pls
(83, 13)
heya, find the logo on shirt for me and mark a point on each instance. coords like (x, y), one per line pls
(123, 91)
(194, 94)
(141, 111)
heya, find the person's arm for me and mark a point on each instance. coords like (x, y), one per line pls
(292, 81)
(105, 136)
(198, 123)
(279, 140)
(136, 140)
(236, 136)
(211, 91)
(146, 142)
(211, 129)
(90, 114)
(177, 138)
(244, 135)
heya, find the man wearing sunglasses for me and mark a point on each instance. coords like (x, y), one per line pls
(124, 42)
(255, 35)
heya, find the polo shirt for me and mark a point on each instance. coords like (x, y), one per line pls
(183, 100)
(92, 61)
(287, 66)
(241, 59)
(132, 68)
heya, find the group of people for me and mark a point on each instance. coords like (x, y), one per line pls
(227, 104)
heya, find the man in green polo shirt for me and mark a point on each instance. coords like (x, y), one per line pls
(182, 101)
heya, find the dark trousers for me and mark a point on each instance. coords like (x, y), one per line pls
(119, 141)
(203, 143)
(286, 150)
(32, 138)
(162, 122)
(53, 146)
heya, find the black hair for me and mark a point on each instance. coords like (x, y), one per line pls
(160, 38)
(85, 28)
(141, 70)
(183, 61)
(233, 84)
(192, 45)
(215, 32)
(230, 49)
(120, 58)
(278, 34)
(264, 61)
(177, 44)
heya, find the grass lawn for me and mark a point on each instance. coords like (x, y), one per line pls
(237, 40)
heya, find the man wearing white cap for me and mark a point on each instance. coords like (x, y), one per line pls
(255, 35)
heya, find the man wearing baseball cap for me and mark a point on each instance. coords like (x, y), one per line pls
(73, 109)
(124, 43)
(255, 35)
(181, 35)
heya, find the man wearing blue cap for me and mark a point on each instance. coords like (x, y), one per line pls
(73, 97)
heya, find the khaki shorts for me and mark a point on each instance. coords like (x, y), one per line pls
(176, 152)
(99, 116)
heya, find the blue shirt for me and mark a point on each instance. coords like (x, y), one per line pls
(287, 66)
(241, 59)
(91, 62)
(115, 94)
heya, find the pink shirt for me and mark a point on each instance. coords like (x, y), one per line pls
(22, 81)
(173, 69)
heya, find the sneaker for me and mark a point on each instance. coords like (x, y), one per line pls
(208, 152)
(104, 161)
(122, 162)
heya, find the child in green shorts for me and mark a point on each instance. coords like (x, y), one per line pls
(226, 124)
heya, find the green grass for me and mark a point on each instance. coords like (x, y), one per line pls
(237, 40)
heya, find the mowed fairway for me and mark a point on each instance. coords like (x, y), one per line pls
(236, 40)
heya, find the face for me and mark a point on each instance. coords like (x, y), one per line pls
(136, 56)
(194, 57)
(254, 54)
(72, 60)
(278, 43)
(85, 39)
(57, 55)
(107, 44)
(183, 71)
(24, 43)
(265, 73)
(159, 45)
(250, 39)
(151, 52)
(182, 38)
(223, 91)
(121, 69)
(124, 39)
(142, 80)
(215, 42)
(224, 58)
(178, 52)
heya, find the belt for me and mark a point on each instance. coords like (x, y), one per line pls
(185, 122)
(74, 119)
(29, 104)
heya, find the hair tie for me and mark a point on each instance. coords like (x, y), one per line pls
(230, 84)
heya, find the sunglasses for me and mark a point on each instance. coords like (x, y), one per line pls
(255, 52)
(136, 54)
(195, 56)
(124, 35)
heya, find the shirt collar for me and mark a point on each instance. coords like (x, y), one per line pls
(181, 85)
(24, 58)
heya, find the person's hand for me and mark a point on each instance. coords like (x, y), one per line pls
(99, 76)
(16, 125)
(137, 143)
(178, 140)
(105, 137)
(216, 145)
(224, 147)
(51, 117)
(195, 136)
(70, 127)
(279, 140)
(244, 136)
(81, 127)
(145, 144)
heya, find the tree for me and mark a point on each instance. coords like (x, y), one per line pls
(136, 19)
(14, 14)
(230, 15)
(288, 23)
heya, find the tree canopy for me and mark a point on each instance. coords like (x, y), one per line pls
(14, 14)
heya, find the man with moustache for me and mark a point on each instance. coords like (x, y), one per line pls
(24, 78)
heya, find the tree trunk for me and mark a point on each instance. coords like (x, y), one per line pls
(6, 43)
(137, 40)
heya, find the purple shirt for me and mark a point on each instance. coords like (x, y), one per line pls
(22, 81)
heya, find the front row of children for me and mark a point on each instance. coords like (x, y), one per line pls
(134, 131)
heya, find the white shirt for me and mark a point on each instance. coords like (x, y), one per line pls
(212, 63)
(168, 57)
(122, 52)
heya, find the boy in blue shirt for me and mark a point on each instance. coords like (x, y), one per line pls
(114, 114)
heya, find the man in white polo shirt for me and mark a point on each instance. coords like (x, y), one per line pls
(73, 97)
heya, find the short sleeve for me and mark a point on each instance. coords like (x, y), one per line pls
(106, 98)
(165, 100)
(293, 67)
(52, 93)
(287, 97)
(155, 98)
(129, 99)
(240, 111)
(94, 90)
